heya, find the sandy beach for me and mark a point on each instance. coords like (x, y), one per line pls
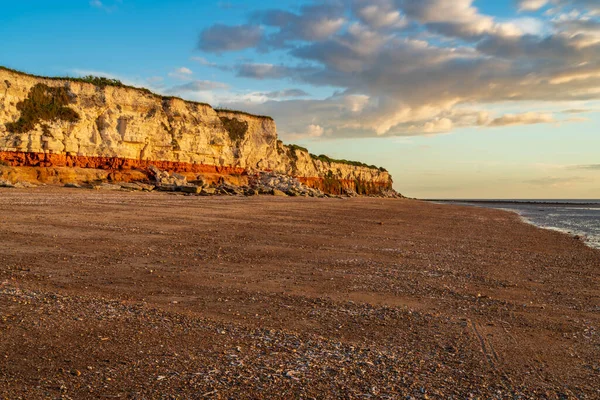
(161, 296)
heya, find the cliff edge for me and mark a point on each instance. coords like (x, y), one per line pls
(101, 124)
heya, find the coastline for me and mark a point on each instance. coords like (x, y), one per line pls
(573, 202)
(140, 294)
(572, 232)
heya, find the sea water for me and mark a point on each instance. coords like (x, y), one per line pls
(576, 217)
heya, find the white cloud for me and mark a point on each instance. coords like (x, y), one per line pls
(181, 73)
(204, 61)
(380, 14)
(198, 86)
(532, 5)
(286, 93)
(529, 118)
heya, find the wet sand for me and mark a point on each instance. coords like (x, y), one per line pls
(158, 296)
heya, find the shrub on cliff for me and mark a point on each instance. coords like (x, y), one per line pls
(100, 81)
(237, 129)
(43, 103)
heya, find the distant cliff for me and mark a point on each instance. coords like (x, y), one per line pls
(101, 124)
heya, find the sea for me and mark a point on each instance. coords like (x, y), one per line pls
(576, 217)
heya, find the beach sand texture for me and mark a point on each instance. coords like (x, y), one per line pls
(158, 296)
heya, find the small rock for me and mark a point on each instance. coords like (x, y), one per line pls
(208, 191)
(191, 189)
(26, 185)
(108, 186)
(131, 186)
(277, 192)
(167, 188)
(7, 184)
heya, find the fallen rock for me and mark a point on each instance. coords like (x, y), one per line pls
(277, 192)
(162, 178)
(191, 189)
(130, 186)
(6, 184)
(107, 186)
(266, 182)
(72, 185)
(167, 188)
(227, 188)
(208, 191)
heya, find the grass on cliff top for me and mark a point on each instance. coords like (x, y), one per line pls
(328, 159)
(294, 147)
(103, 82)
(227, 110)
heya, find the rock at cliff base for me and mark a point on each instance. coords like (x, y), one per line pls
(17, 185)
(277, 192)
(130, 186)
(191, 189)
(162, 178)
(107, 186)
(208, 191)
(25, 185)
(72, 185)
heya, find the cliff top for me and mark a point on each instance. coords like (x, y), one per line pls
(104, 82)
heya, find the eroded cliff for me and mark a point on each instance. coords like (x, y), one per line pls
(51, 122)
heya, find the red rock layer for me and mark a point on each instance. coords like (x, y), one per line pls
(23, 159)
(117, 165)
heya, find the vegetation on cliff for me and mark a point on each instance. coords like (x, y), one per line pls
(328, 159)
(292, 148)
(43, 103)
(227, 110)
(237, 129)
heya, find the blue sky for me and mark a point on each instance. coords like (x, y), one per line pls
(462, 98)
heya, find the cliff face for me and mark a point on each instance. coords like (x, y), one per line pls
(64, 123)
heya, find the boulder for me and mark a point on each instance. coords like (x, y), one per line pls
(6, 184)
(164, 179)
(191, 189)
(25, 185)
(107, 186)
(145, 187)
(277, 192)
(167, 188)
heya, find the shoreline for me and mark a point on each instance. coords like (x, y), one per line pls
(574, 233)
(570, 202)
(140, 294)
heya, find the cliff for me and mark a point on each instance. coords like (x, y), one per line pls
(104, 125)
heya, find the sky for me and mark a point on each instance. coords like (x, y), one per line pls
(456, 98)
